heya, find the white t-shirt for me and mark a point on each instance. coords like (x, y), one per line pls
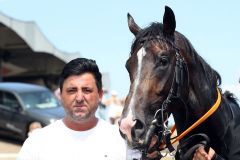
(57, 142)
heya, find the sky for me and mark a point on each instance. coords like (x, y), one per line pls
(99, 30)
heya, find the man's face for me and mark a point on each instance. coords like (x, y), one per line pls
(80, 97)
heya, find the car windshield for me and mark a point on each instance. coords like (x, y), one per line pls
(39, 99)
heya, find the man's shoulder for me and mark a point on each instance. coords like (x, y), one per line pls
(49, 129)
(107, 125)
(110, 136)
(108, 129)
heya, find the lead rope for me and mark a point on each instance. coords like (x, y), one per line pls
(202, 119)
(197, 123)
(167, 133)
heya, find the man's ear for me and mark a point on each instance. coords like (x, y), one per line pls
(100, 93)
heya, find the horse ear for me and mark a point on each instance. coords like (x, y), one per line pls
(134, 28)
(169, 22)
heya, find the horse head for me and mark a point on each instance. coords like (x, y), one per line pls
(160, 65)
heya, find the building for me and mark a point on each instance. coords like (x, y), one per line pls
(26, 55)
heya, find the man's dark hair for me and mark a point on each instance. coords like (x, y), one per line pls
(79, 66)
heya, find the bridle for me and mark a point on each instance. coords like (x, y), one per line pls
(159, 124)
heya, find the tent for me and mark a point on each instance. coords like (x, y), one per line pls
(27, 55)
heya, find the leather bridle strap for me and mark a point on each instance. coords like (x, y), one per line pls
(202, 119)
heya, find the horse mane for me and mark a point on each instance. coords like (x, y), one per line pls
(231, 97)
(213, 77)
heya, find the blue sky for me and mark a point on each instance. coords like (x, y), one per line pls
(99, 30)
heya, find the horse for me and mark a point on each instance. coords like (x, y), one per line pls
(168, 76)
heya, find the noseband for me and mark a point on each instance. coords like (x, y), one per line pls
(159, 125)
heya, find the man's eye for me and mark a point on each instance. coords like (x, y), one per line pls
(87, 90)
(71, 90)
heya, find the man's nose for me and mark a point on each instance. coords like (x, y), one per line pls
(79, 96)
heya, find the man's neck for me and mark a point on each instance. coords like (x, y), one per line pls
(80, 125)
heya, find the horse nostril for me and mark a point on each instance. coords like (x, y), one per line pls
(138, 124)
(138, 129)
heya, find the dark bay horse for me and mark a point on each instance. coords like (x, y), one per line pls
(168, 77)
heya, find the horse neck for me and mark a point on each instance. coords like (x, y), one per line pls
(202, 94)
(215, 127)
(202, 78)
(202, 85)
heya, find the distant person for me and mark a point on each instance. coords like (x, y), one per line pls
(102, 108)
(57, 93)
(114, 107)
(79, 135)
(102, 111)
(33, 127)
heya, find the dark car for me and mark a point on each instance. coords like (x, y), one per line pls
(24, 105)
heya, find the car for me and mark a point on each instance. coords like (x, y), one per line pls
(24, 107)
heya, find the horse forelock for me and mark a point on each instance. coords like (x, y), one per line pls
(155, 29)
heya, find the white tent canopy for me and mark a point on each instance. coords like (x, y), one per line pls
(26, 53)
(34, 38)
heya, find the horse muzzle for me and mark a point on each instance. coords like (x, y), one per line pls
(134, 131)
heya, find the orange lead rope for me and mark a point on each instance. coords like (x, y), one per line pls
(202, 119)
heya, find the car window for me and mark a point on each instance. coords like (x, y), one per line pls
(39, 99)
(9, 100)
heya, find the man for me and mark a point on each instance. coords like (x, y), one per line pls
(79, 135)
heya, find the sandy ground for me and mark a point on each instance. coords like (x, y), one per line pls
(9, 149)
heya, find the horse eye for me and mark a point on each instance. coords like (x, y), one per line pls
(162, 61)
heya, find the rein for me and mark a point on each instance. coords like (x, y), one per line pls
(158, 123)
(202, 119)
(183, 134)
